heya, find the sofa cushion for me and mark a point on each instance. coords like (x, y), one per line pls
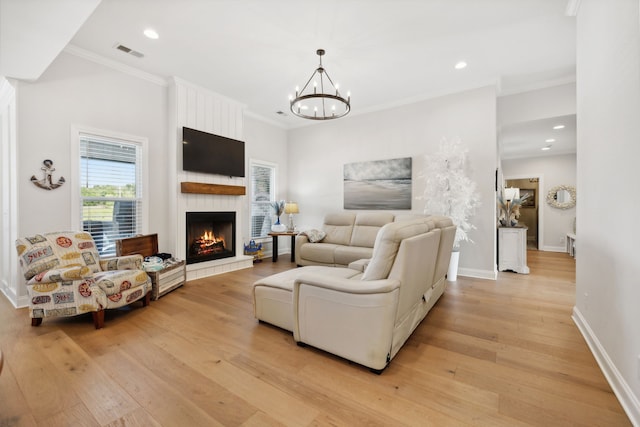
(57, 249)
(285, 279)
(366, 228)
(318, 252)
(387, 243)
(338, 227)
(117, 281)
(344, 255)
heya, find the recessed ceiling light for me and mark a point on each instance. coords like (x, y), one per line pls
(550, 140)
(556, 127)
(460, 65)
(151, 33)
(548, 147)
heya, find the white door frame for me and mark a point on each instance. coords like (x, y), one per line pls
(540, 198)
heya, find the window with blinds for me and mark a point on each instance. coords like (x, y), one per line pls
(110, 190)
(263, 176)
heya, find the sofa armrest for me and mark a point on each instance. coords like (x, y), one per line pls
(351, 286)
(350, 318)
(124, 262)
(61, 274)
(360, 265)
(301, 239)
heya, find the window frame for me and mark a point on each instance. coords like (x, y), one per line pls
(77, 131)
(274, 182)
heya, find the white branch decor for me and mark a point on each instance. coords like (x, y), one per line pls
(448, 191)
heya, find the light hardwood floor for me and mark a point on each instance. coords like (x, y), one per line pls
(492, 353)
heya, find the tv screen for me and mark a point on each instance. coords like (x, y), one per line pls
(209, 153)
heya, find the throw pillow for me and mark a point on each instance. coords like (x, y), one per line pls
(314, 236)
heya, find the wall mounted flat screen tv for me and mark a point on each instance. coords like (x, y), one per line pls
(208, 153)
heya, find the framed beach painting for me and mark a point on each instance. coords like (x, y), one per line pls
(378, 184)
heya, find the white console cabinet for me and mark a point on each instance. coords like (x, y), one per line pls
(512, 249)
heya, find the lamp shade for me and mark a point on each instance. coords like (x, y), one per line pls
(291, 208)
(511, 193)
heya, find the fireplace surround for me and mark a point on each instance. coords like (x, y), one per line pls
(210, 236)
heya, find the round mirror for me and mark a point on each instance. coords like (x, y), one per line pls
(562, 197)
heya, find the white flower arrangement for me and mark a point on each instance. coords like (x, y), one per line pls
(448, 191)
(509, 210)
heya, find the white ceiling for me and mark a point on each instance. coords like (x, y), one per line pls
(385, 52)
(526, 139)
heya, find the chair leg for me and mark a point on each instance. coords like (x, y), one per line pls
(147, 299)
(98, 319)
(36, 321)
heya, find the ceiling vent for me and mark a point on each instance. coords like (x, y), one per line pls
(128, 50)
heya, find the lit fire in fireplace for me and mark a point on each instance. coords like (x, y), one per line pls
(208, 243)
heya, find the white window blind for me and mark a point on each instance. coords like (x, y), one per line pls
(262, 194)
(110, 190)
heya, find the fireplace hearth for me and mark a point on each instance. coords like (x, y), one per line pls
(210, 236)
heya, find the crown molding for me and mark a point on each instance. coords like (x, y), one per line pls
(516, 89)
(118, 66)
(255, 116)
(174, 81)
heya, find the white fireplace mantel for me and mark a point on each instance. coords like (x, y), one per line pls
(201, 109)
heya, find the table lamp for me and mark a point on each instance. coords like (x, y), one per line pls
(511, 193)
(291, 208)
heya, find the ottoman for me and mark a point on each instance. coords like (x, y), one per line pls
(273, 295)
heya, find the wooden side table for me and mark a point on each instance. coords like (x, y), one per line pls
(275, 235)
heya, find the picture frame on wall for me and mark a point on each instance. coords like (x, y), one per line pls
(529, 202)
(378, 185)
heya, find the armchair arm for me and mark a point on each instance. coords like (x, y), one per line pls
(62, 274)
(124, 262)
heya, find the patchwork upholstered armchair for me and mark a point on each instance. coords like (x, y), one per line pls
(66, 277)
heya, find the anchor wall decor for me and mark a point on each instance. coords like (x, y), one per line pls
(47, 181)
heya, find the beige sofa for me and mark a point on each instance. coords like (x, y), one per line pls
(349, 237)
(364, 312)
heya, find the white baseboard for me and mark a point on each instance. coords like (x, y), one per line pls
(554, 249)
(478, 274)
(623, 392)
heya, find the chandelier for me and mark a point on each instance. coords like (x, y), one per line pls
(321, 100)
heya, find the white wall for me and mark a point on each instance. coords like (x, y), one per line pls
(554, 170)
(76, 91)
(608, 259)
(268, 143)
(8, 193)
(318, 152)
(537, 104)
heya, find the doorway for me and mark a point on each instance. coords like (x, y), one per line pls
(529, 211)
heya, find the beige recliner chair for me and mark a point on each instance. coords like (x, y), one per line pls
(366, 312)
